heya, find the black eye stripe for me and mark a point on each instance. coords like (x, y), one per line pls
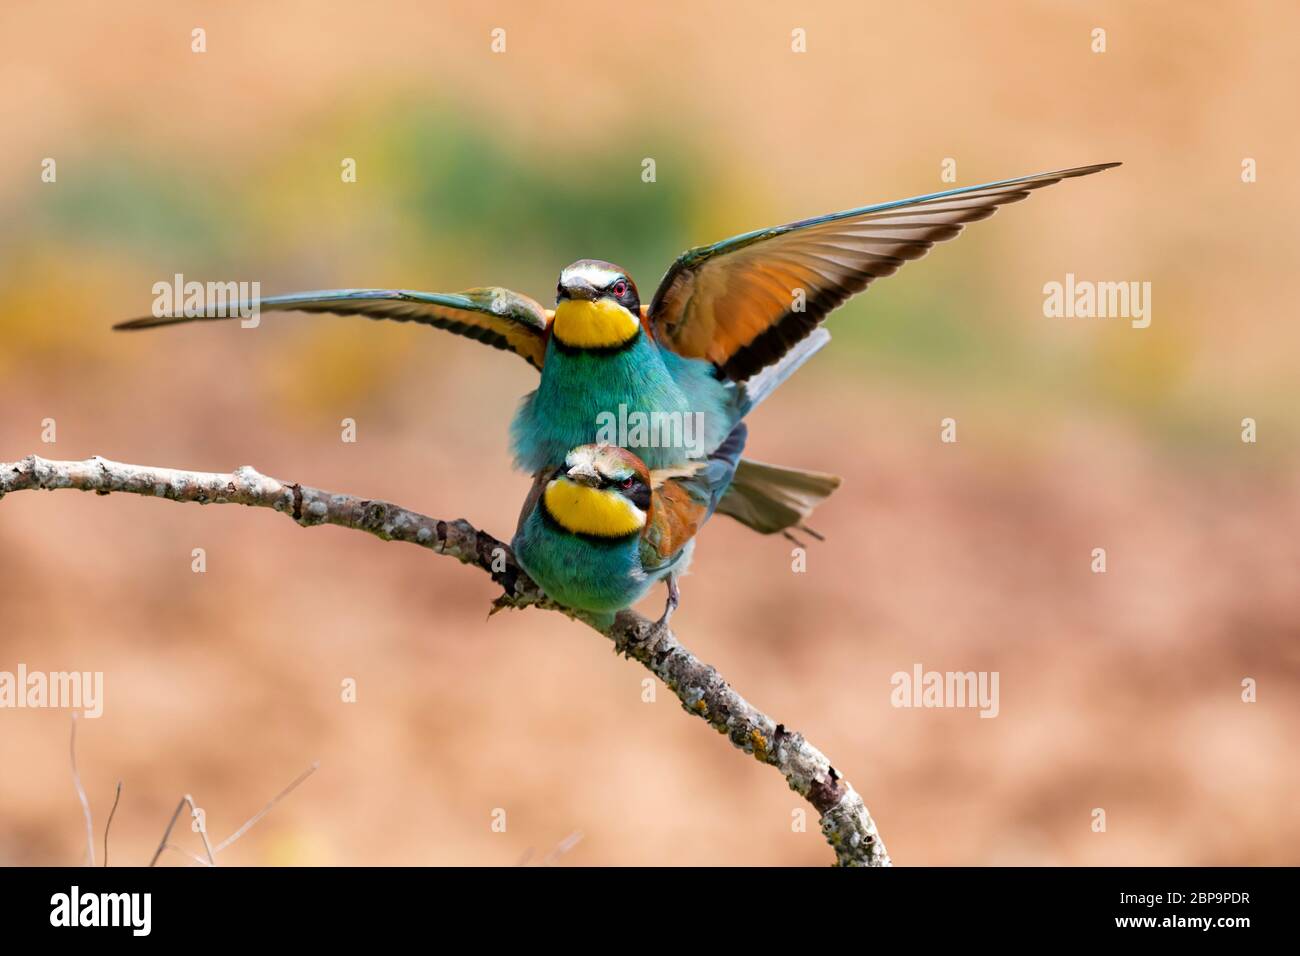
(629, 295)
(639, 495)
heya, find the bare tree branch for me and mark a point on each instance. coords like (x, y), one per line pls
(845, 821)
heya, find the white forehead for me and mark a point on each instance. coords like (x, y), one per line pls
(594, 274)
(603, 459)
(585, 455)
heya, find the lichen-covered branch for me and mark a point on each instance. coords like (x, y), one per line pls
(845, 821)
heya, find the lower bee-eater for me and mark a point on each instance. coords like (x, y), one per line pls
(601, 529)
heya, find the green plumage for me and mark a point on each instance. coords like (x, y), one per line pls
(578, 386)
(587, 574)
(601, 576)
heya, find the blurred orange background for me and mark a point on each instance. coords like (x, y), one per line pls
(1119, 691)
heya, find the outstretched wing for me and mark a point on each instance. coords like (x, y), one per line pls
(735, 302)
(497, 317)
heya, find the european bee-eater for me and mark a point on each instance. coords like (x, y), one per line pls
(601, 529)
(727, 324)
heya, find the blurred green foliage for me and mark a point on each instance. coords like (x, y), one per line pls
(468, 185)
(131, 203)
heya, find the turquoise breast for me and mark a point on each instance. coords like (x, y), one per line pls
(581, 391)
(601, 577)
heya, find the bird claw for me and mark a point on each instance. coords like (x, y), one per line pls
(660, 627)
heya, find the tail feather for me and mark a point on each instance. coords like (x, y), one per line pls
(771, 499)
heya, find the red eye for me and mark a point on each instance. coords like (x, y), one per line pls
(627, 484)
(620, 289)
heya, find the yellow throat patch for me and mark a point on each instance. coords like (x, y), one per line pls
(601, 324)
(583, 510)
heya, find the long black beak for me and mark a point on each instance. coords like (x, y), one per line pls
(578, 290)
(584, 475)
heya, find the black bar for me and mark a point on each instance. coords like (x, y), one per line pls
(561, 904)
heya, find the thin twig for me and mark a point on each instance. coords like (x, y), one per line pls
(184, 852)
(81, 794)
(162, 844)
(563, 847)
(197, 814)
(111, 813)
(267, 809)
(203, 827)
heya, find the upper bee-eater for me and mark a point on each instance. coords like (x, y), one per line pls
(726, 325)
(600, 529)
